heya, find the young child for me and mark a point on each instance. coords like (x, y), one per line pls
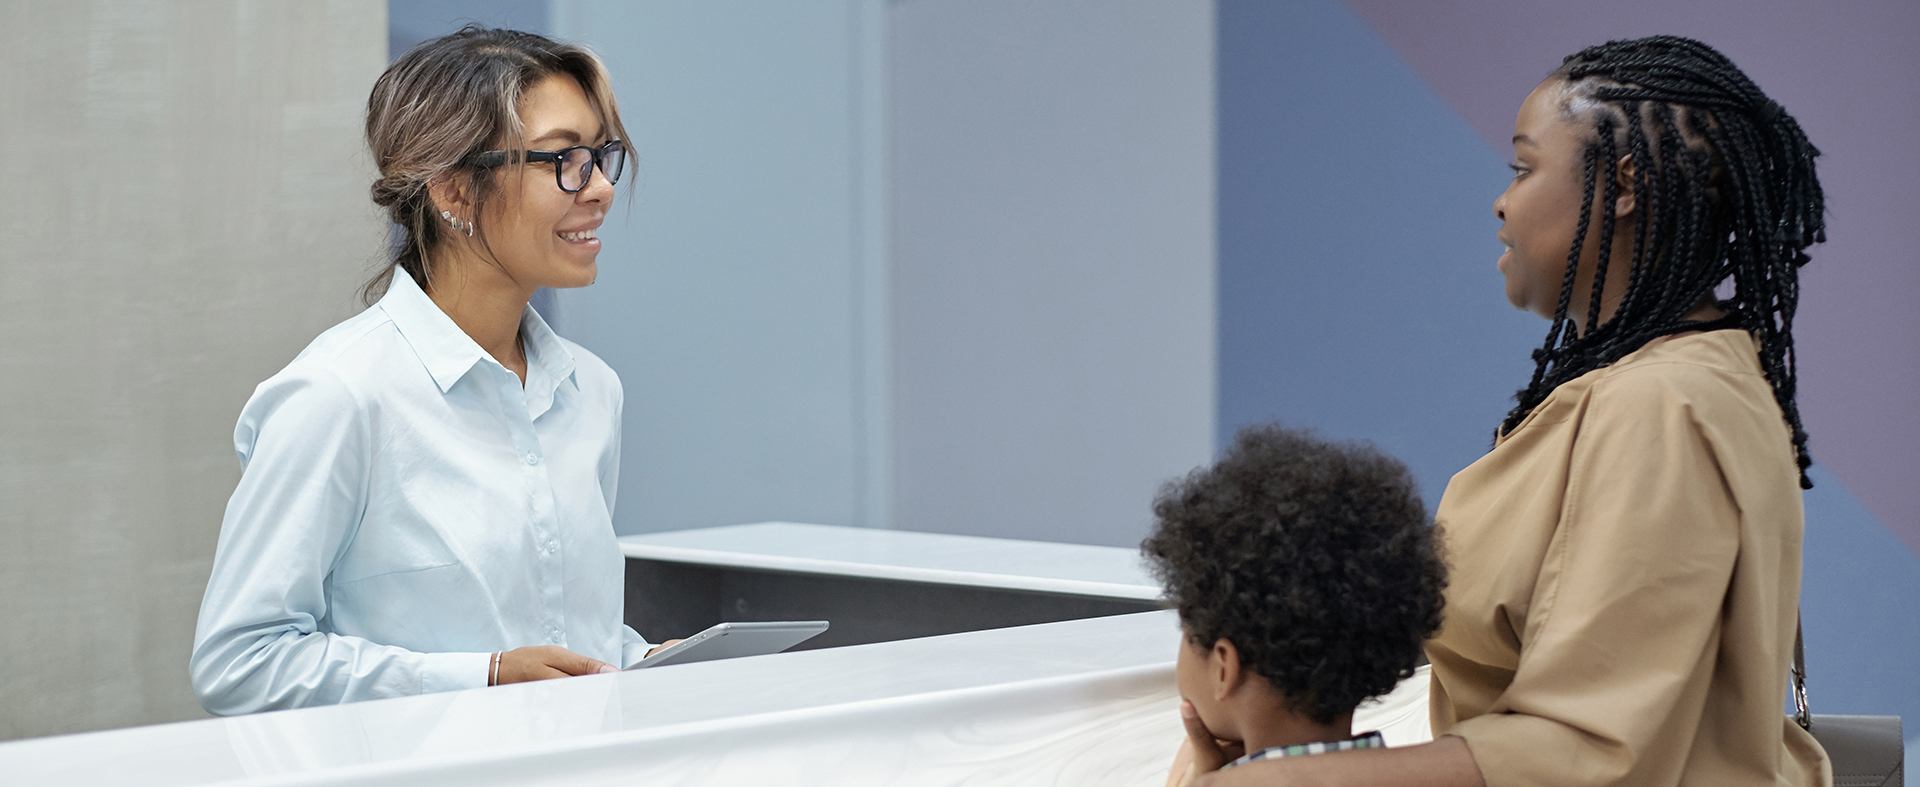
(1307, 577)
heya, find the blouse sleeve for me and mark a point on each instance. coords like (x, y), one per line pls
(305, 447)
(633, 647)
(1624, 622)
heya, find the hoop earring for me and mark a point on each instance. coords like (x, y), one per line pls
(456, 223)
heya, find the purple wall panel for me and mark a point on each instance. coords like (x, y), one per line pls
(1846, 72)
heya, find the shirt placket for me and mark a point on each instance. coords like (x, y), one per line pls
(543, 523)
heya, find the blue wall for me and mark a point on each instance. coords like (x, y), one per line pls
(1052, 261)
(1358, 291)
(736, 295)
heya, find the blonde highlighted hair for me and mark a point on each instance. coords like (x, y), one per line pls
(446, 100)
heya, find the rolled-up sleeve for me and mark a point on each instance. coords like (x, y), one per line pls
(1623, 628)
(305, 447)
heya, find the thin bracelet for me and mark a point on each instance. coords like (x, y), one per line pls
(493, 669)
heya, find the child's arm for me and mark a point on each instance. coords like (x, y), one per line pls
(1181, 774)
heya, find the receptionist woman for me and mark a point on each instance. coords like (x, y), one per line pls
(427, 489)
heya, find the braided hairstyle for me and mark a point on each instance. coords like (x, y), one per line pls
(1724, 183)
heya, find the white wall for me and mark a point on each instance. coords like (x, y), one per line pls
(1052, 206)
(741, 286)
(185, 199)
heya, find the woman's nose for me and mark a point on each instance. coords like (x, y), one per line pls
(598, 188)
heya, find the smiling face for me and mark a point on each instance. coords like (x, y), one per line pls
(1540, 209)
(543, 236)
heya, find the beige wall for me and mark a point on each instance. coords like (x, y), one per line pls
(183, 205)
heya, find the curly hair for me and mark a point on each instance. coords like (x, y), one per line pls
(1316, 559)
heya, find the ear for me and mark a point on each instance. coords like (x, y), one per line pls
(452, 193)
(1223, 665)
(1625, 177)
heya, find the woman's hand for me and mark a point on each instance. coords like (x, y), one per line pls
(546, 662)
(663, 646)
(1446, 762)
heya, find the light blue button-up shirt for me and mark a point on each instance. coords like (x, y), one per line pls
(406, 507)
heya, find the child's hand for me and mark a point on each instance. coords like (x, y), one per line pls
(1202, 752)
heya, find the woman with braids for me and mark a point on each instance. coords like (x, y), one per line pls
(1626, 558)
(426, 491)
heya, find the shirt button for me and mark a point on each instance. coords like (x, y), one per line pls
(551, 546)
(553, 634)
(533, 458)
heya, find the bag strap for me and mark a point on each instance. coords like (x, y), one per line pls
(1801, 715)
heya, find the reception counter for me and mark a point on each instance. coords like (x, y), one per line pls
(875, 585)
(929, 680)
(1077, 702)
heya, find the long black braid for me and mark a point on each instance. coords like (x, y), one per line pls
(1724, 187)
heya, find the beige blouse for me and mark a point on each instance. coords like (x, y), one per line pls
(1626, 575)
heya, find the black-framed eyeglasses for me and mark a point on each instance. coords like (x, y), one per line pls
(572, 167)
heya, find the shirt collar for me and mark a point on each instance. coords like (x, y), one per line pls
(1371, 740)
(448, 353)
(546, 351)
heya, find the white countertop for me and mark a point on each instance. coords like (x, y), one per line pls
(690, 724)
(1079, 702)
(1009, 564)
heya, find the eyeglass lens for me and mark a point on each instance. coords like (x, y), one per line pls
(577, 167)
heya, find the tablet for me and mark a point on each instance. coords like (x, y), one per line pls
(733, 640)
